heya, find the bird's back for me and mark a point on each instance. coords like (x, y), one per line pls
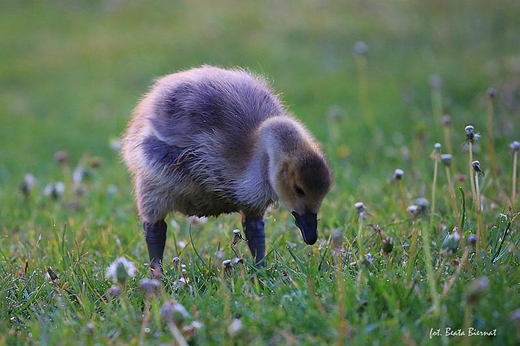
(226, 105)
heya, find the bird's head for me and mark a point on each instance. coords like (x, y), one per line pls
(298, 172)
(301, 185)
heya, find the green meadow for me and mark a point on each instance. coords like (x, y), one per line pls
(418, 244)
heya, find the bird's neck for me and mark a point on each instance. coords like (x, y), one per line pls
(280, 138)
(275, 141)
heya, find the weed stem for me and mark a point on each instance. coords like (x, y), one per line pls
(429, 271)
(361, 252)
(513, 185)
(401, 193)
(447, 137)
(490, 114)
(411, 257)
(364, 100)
(451, 190)
(478, 209)
(436, 98)
(455, 276)
(426, 245)
(434, 186)
(472, 179)
(342, 321)
(177, 335)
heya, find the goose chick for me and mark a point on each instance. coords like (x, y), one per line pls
(208, 141)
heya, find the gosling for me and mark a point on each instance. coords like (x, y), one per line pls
(209, 141)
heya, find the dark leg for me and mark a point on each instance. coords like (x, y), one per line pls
(155, 235)
(255, 236)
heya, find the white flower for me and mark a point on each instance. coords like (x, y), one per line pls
(78, 174)
(120, 270)
(28, 183)
(235, 327)
(54, 190)
(413, 209)
(398, 174)
(115, 144)
(149, 286)
(174, 311)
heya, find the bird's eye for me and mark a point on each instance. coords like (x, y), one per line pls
(299, 191)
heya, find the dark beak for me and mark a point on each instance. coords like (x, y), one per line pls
(308, 224)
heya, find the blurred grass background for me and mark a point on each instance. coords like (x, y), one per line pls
(72, 71)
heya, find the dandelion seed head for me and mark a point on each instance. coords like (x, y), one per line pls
(472, 239)
(359, 206)
(413, 210)
(360, 48)
(220, 255)
(191, 329)
(120, 270)
(61, 157)
(227, 264)
(238, 260)
(515, 316)
(422, 204)
(361, 210)
(471, 136)
(29, 180)
(197, 324)
(476, 290)
(115, 144)
(491, 92)
(54, 190)
(337, 239)
(237, 237)
(196, 220)
(174, 311)
(28, 183)
(78, 174)
(388, 245)
(181, 282)
(335, 114)
(446, 159)
(476, 167)
(59, 188)
(111, 189)
(149, 286)
(435, 82)
(114, 291)
(176, 261)
(398, 174)
(446, 120)
(515, 146)
(437, 147)
(451, 242)
(368, 261)
(235, 327)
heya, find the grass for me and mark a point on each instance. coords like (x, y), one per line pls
(70, 76)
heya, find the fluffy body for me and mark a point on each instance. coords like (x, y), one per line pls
(208, 141)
